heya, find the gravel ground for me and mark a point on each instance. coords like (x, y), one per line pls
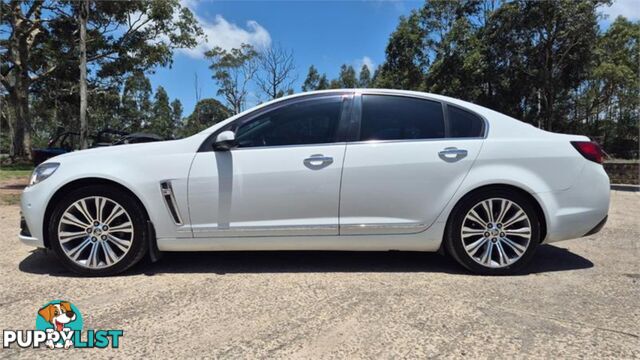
(580, 298)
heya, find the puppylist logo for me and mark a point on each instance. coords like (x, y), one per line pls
(59, 326)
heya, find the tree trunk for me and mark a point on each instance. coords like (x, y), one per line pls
(84, 128)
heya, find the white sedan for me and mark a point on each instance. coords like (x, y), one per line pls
(363, 170)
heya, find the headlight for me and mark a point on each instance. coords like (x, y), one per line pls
(42, 172)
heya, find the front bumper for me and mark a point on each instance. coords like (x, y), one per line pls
(25, 234)
(33, 204)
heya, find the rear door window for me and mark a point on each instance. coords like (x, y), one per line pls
(386, 117)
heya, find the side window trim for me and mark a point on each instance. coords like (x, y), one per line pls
(207, 144)
(447, 125)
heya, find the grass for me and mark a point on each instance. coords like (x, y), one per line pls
(15, 171)
(9, 199)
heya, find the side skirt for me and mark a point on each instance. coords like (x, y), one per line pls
(428, 240)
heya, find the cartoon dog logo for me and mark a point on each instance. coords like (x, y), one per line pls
(59, 315)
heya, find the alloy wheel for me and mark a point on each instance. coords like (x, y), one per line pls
(95, 232)
(496, 232)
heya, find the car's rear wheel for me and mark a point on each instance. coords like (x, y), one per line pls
(493, 232)
(98, 230)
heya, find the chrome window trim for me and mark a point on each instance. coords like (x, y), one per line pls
(288, 146)
(373, 142)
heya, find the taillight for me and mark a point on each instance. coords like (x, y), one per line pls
(590, 150)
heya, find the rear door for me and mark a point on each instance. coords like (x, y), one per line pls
(408, 158)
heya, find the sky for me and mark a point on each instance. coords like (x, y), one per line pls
(325, 34)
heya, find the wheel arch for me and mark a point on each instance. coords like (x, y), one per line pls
(534, 202)
(77, 183)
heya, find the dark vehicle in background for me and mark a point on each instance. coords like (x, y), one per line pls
(67, 141)
(63, 142)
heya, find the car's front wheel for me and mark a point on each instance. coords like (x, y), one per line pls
(98, 230)
(493, 232)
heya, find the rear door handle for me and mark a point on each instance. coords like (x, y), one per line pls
(317, 161)
(452, 154)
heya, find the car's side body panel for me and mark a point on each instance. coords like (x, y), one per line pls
(572, 191)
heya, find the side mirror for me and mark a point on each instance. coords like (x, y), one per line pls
(225, 141)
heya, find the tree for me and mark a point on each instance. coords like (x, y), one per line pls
(136, 102)
(133, 36)
(323, 83)
(176, 115)
(347, 78)
(276, 71)
(312, 80)
(552, 44)
(315, 81)
(22, 63)
(232, 71)
(406, 60)
(364, 79)
(207, 112)
(83, 15)
(161, 115)
(111, 39)
(608, 101)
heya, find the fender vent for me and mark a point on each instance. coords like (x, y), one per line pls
(170, 201)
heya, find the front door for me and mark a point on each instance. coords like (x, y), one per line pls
(283, 178)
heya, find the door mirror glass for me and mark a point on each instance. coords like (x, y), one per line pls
(225, 141)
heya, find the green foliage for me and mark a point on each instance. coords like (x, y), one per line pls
(315, 81)
(176, 114)
(364, 79)
(39, 62)
(161, 122)
(233, 70)
(136, 102)
(207, 112)
(323, 83)
(347, 78)
(406, 60)
(312, 80)
(543, 62)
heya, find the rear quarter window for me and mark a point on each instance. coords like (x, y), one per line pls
(464, 124)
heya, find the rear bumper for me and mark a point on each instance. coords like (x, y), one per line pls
(579, 210)
(598, 227)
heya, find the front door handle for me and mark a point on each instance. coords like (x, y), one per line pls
(317, 161)
(452, 154)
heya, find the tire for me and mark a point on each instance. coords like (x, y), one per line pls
(117, 249)
(505, 256)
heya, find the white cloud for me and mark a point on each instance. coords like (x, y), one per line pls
(627, 8)
(365, 61)
(225, 34)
